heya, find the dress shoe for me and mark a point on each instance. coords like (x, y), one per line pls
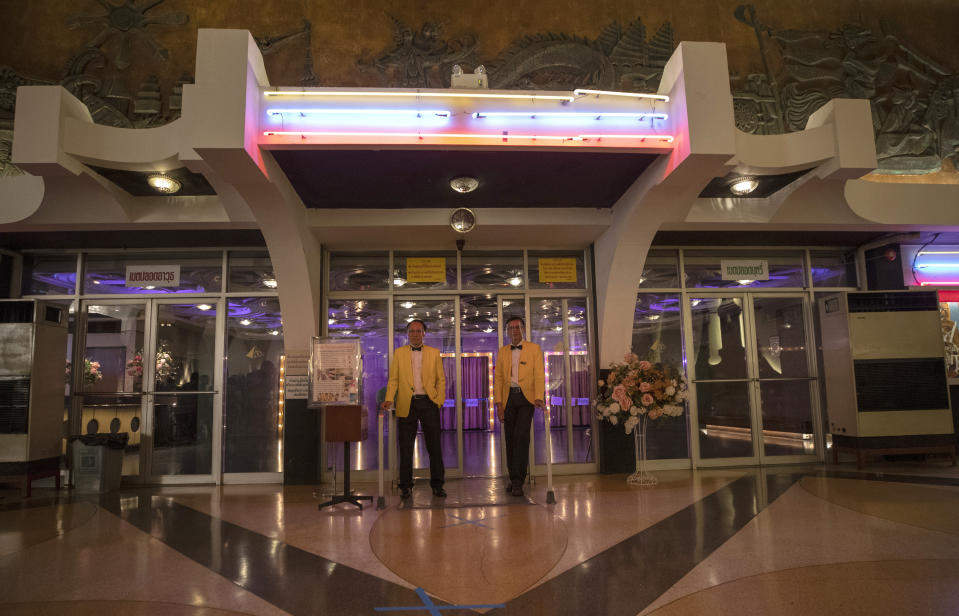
(517, 491)
(439, 492)
(405, 493)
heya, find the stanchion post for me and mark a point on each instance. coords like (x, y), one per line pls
(550, 497)
(380, 428)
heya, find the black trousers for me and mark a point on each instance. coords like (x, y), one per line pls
(517, 421)
(427, 414)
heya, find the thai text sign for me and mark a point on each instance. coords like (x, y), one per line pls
(756, 269)
(557, 269)
(153, 276)
(426, 269)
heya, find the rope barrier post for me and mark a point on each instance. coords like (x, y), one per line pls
(550, 497)
(380, 428)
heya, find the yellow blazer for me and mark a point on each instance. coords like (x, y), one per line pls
(401, 378)
(532, 376)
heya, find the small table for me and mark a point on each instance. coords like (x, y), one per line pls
(345, 423)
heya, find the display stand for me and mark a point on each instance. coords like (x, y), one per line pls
(345, 423)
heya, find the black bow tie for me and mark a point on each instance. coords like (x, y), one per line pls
(419, 348)
(516, 346)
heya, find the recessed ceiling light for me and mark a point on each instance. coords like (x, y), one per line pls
(163, 183)
(204, 307)
(464, 184)
(245, 322)
(743, 185)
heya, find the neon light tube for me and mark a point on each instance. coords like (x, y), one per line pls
(939, 252)
(938, 265)
(305, 133)
(937, 283)
(569, 114)
(656, 97)
(395, 112)
(541, 97)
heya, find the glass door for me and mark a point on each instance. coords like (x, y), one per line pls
(559, 326)
(749, 365)
(439, 315)
(186, 430)
(108, 377)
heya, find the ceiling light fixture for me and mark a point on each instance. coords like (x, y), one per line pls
(743, 185)
(515, 281)
(464, 184)
(270, 282)
(419, 94)
(163, 183)
(302, 134)
(245, 322)
(569, 114)
(443, 113)
(204, 307)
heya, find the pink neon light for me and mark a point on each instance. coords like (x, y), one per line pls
(660, 138)
(939, 283)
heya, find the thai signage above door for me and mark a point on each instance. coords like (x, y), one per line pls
(557, 269)
(754, 269)
(153, 276)
(426, 269)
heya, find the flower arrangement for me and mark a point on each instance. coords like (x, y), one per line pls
(638, 389)
(91, 372)
(164, 364)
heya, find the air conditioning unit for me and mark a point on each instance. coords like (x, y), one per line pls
(885, 375)
(33, 339)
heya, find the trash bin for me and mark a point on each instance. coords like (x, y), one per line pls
(98, 461)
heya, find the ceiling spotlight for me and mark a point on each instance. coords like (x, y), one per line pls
(149, 287)
(745, 282)
(245, 322)
(204, 307)
(398, 282)
(464, 184)
(275, 332)
(270, 282)
(515, 281)
(407, 305)
(163, 183)
(743, 185)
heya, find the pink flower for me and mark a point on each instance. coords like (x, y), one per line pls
(645, 365)
(655, 413)
(620, 396)
(647, 400)
(644, 387)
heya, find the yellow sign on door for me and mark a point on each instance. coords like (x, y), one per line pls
(557, 269)
(426, 269)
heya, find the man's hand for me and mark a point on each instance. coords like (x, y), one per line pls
(539, 404)
(499, 411)
(386, 405)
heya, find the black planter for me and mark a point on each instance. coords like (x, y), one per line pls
(617, 450)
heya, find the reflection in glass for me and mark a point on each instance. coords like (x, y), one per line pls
(183, 434)
(366, 320)
(781, 352)
(49, 274)
(502, 270)
(438, 315)
(725, 425)
(251, 271)
(253, 415)
(481, 427)
(833, 268)
(719, 353)
(359, 272)
(183, 419)
(657, 337)
(661, 270)
(198, 273)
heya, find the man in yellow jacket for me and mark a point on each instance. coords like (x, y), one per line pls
(519, 385)
(418, 383)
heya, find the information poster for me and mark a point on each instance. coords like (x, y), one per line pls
(557, 269)
(296, 376)
(426, 269)
(335, 371)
